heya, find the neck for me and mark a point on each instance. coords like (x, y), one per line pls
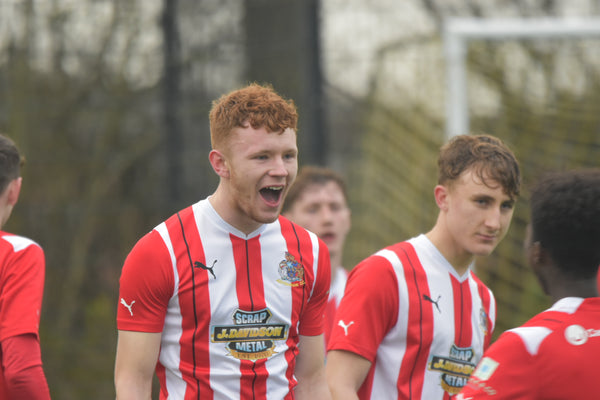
(456, 256)
(230, 213)
(336, 260)
(336, 264)
(573, 288)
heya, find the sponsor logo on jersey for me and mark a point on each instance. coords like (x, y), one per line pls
(291, 271)
(486, 368)
(345, 326)
(250, 337)
(455, 369)
(128, 306)
(434, 302)
(578, 335)
(210, 269)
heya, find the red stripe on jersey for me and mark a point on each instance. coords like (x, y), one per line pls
(193, 291)
(463, 328)
(420, 324)
(299, 246)
(251, 297)
(486, 300)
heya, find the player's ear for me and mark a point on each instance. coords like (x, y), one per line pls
(219, 163)
(537, 255)
(440, 192)
(14, 189)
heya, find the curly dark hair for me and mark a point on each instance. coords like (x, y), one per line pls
(259, 106)
(565, 219)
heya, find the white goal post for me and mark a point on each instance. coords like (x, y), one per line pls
(459, 31)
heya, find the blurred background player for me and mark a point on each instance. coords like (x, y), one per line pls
(226, 298)
(554, 355)
(414, 320)
(318, 201)
(22, 272)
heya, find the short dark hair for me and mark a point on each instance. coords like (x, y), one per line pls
(10, 162)
(565, 219)
(312, 175)
(492, 159)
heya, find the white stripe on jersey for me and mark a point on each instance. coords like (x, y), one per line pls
(170, 348)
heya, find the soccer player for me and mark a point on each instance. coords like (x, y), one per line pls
(414, 319)
(553, 355)
(227, 296)
(22, 272)
(318, 202)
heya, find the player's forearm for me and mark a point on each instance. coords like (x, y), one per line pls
(22, 368)
(313, 388)
(133, 389)
(28, 384)
(339, 392)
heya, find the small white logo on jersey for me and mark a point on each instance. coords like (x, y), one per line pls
(128, 305)
(578, 335)
(343, 325)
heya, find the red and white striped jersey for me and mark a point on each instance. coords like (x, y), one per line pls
(22, 272)
(230, 306)
(552, 356)
(423, 327)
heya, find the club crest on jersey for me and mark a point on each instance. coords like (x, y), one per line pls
(250, 337)
(456, 368)
(483, 321)
(291, 271)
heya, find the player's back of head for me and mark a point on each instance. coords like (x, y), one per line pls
(565, 220)
(10, 162)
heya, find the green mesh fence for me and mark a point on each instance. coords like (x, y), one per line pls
(540, 97)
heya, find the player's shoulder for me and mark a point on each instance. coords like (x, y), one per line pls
(379, 264)
(539, 329)
(299, 231)
(390, 256)
(150, 246)
(531, 336)
(283, 221)
(18, 243)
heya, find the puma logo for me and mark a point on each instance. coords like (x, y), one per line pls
(198, 264)
(343, 325)
(435, 302)
(128, 305)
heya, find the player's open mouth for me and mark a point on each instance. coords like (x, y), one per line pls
(271, 194)
(327, 237)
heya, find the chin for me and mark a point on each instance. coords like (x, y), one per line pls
(484, 252)
(267, 218)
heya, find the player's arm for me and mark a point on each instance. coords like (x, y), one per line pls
(346, 371)
(368, 310)
(137, 354)
(310, 369)
(22, 367)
